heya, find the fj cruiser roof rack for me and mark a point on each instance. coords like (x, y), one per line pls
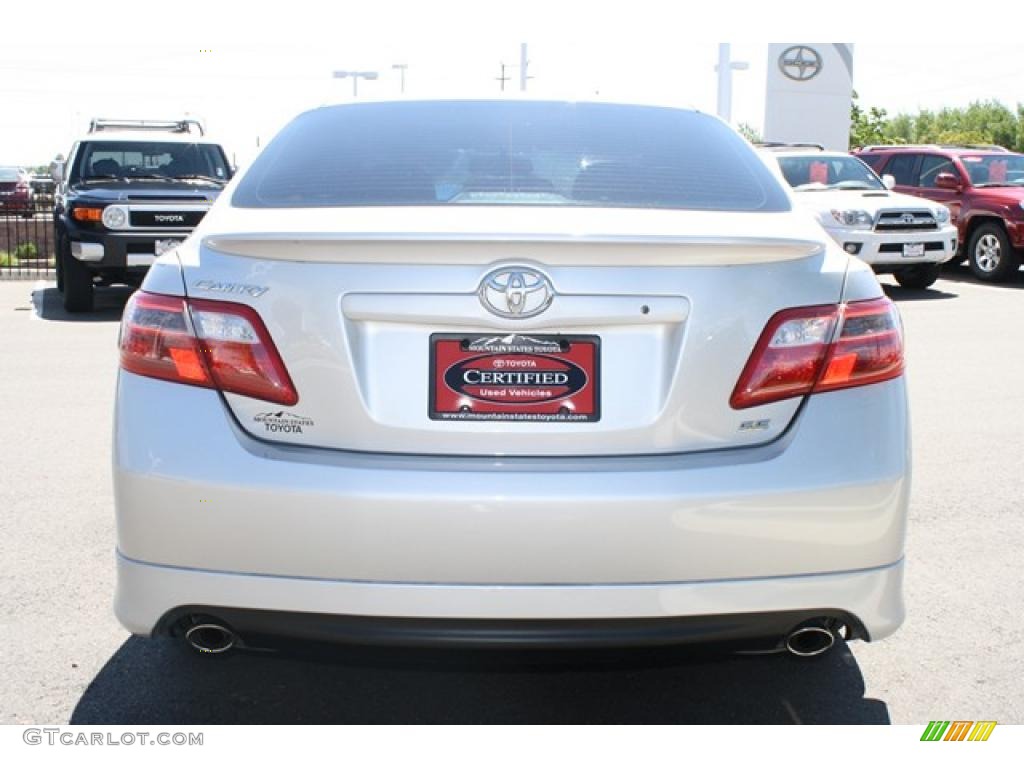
(789, 145)
(98, 124)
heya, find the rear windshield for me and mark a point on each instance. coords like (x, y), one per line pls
(10, 174)
(515, 153)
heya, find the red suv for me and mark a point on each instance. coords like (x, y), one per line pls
(983, 187)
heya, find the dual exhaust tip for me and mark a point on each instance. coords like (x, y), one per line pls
(211, 638)
(810, 640)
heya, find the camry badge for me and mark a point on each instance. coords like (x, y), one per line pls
(215, 286)
(516, 292)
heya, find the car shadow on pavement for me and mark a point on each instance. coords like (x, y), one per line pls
(109, 304)
(897, 293)
(962, 274)
(162, 682)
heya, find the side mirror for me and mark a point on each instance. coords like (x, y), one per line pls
(889, 180)
(947, 181)
(57, 171)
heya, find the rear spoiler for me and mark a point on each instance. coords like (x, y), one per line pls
(460, 248)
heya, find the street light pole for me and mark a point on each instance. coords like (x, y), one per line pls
(524, 63)
(356, 76)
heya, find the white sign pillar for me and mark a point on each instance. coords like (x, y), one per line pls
(809, 91)
(724, 68)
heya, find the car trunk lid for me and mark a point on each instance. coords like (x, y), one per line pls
(358, 301)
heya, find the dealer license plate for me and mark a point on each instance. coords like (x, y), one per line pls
(913, 250)
(514, 378)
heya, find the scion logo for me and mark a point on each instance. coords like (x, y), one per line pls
(800, 62)
(516, 292)
(283, 421)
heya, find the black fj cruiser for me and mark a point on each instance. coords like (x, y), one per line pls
(130, 190)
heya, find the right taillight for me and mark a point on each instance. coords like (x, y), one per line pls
(821, 349)
(216, 344)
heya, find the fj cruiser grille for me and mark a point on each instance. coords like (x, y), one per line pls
(169, 219)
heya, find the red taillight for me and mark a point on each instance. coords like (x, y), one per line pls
(215, 344)
(157, 340)
(868, 349)
(801, 352)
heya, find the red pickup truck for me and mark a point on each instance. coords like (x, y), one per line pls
(983, 187)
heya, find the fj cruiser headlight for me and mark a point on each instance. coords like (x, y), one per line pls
(115, 217)
(942, 214)
(853, 218)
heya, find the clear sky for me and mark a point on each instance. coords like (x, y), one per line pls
(246, 68)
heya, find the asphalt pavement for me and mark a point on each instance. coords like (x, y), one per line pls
(66, 659)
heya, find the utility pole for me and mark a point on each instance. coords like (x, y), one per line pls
(524, 64)
(725, 67)
(504, 78)
(401, 68)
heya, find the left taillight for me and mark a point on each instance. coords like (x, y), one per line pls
(215, 344)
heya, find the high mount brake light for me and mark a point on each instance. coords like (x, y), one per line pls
(800, 352)
(215, 344)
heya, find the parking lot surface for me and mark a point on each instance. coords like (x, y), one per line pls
(67, 659)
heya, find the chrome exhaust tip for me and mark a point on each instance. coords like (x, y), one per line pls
(210, 638)
(810, 641)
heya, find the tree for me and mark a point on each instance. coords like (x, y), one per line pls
(866, 127)
(899, 130)
(981, 122)
(965, 138)
(750, 133)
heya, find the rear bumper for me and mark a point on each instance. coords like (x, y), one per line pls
(209, 516)
(152, 599)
